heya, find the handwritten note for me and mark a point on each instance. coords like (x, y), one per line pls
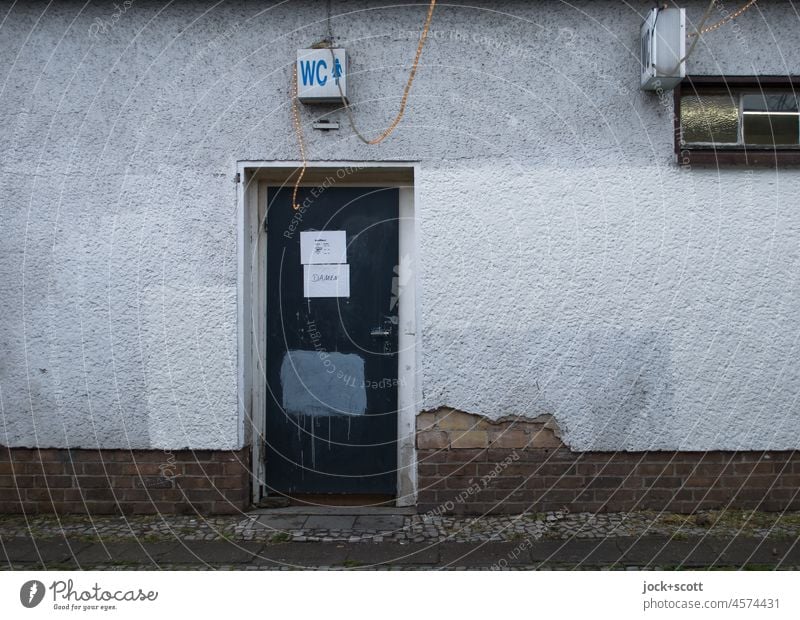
(326, 280)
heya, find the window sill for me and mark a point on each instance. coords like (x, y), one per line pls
(766, 158)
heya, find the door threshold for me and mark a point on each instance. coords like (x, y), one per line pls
(367, 500)
(336, 510)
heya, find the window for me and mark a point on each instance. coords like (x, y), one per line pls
(738, 120)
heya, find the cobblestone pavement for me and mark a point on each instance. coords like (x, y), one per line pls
(287, 526)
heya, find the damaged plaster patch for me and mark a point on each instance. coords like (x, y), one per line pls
(610, 388)
(445, 427)
(547, 420)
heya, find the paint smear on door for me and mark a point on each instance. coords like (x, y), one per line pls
(319, 383)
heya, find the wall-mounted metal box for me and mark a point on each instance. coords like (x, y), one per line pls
(318, 71)
(663, 39)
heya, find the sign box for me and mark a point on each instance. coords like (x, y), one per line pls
(318, 72)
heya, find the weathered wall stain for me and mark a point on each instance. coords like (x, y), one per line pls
(319, 383)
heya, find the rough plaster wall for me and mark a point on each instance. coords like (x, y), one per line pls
(566, 265)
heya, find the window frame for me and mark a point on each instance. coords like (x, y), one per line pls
(728, 154)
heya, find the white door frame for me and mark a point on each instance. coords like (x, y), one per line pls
(251, 300)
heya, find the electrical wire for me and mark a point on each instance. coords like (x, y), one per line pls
(388, 131)
(701, 30)
(697, 37)
(724, 20)
(298, 128)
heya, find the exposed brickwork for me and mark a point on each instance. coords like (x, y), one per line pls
(470, 465)
(123, 481)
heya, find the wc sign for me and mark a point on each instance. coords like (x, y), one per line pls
(319, 74)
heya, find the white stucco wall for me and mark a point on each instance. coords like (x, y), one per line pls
(566, 265)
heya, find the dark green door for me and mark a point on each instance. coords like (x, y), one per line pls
(331, 351)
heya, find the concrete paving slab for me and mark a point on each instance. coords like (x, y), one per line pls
(128, 552)
(587, 552)
(303, 555)
(155, 554)
(223, 552)
(741, 551)
(617, 552)
(574, 551)
(40, 552)
(393, 554)
(665, 552)
(281, 523)
(381, 523)
(330, 522)
(484, 555)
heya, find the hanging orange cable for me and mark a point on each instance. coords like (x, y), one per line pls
(385, 134)
(724, 20)
(298, 128)
(388, 131)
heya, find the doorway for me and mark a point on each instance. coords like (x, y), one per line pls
(330, 319)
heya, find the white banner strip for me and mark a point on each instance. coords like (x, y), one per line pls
(391, 594)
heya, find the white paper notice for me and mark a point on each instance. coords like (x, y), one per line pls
(319, 247)
(326, 280)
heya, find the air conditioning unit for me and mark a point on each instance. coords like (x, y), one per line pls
(663, 49)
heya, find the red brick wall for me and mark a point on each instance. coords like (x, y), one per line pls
(469, 465)
(124, 481)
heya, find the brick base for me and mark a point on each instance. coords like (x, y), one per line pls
(470, 465)
(124, 481)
